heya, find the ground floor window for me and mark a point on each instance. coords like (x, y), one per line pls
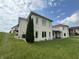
(23, 35)
(43, 34)
(36, 34)
(64, 34)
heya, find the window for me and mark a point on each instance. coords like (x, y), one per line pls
(36, 34)
(23, 35)
(36, 20)
(16, 30)
(43, 22)
(43, 34)
(64, 34)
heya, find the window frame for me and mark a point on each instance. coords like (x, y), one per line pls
(44, 34)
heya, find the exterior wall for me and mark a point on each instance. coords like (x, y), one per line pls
(39, 27)
(71, 32)
(14, 30)
(74, 32)
(22, 27)
(77, 31)
(63, 30)
(54, 29)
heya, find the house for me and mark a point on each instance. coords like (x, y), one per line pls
(74, 31)
(42, 27)
(60, 31)
(14, 30)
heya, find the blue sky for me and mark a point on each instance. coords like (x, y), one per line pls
(60, 11)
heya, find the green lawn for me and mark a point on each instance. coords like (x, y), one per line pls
(11, 48)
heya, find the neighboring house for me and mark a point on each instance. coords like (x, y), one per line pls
(74, 31)
(42, 27)
(60, 31)
(15, 30)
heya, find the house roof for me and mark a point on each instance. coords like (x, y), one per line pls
(34, 13)
(61, 25)
(40, 16)
(15, 26)
(22, 18)
(77, 27)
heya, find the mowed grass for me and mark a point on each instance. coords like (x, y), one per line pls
(11, 48)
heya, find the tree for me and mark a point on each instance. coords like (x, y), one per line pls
(30, 31)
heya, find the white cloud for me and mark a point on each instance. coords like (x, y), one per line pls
(10, 10)
(58, 16)
(54, 3)
(72, 20)
(50, 2)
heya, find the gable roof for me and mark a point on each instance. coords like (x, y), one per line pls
(33, 13)
(15, 26)
(77, 27)
(61, 25)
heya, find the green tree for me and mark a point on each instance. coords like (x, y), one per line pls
(30, 31)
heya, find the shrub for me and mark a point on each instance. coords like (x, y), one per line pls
(30, 31)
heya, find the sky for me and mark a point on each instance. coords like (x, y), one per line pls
(60, 11)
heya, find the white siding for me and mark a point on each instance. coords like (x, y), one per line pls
(77, 30)
(63, 30)
(39, 27)
(66, 31)
(22, 27)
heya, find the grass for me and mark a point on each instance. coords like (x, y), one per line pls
(11, 48)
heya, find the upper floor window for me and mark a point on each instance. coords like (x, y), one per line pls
(43, 22)
(36, 20)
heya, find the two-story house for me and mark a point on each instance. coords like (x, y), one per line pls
(60, 31)
(42, 27)
(74, 31)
